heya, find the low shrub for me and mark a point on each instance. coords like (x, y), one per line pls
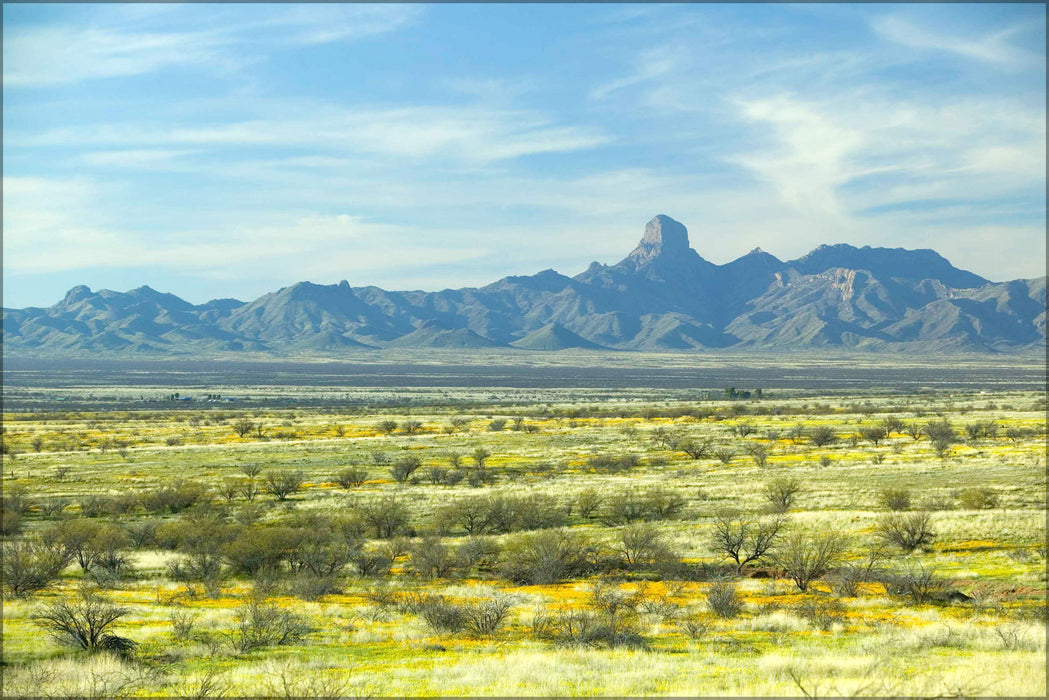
(895, 498)
(403, 468)
(613, 463)
(723, 599)
(919, 583)
(263, 625)
(547, 557)
(781, 492)
(612, 621)
(283, 483)
(978, 498)
(174, 498)
(908, 531)
(85, 623)
(352, 477)
(631, 505)
(821, 613)
(478, 618)
(32, 565)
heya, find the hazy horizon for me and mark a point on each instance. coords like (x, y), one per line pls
(201, 300)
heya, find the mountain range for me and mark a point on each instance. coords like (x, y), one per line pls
(663, 296)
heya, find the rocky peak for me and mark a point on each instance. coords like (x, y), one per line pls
(663, 237)
(77, 293)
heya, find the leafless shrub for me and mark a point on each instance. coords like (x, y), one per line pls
(695, 626)
(694, 448)
(1015, 638)
(822, 435)
(759, 452)
(918, 582)
(31, 565)
(588, 502)
(908, 531)
(822, 613)
(723, 599)
(283, 483)
(286, 680)
(724, 455)
(209, 685)
(53, 507)
(85, 622)
(806, 557)
(182, 625)
(743, 539)
(263, 625)
(403, 468)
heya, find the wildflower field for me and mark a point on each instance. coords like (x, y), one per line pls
(221, 536)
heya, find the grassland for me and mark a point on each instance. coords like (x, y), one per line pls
(961, 614)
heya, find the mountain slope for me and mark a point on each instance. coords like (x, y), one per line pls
(662, 296)
(554, 337)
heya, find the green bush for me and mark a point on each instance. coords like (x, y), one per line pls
(632, 505)
(257, 549)
(895, 498)
(477, 553)
(498, 513)
(641, 544)
(822, 435)
(432, 558)
(351, 477)
(10, 522)
(978, 498)
(613, 463)
(781, 492)
(587, 503)
(174, 498)
(283, 483)
(403, 468)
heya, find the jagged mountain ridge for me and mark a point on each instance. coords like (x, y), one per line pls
(662, 296)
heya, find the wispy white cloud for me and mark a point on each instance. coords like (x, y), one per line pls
(972, 147)
(994, 48)
(49, 55)
(466, 133)
(43, 56)
(651, 64)
(325, 23)
(809, 159)
(140, 158)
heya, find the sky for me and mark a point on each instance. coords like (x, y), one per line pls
(228, 150)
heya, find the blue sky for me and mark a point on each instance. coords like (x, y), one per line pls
(227, 150)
